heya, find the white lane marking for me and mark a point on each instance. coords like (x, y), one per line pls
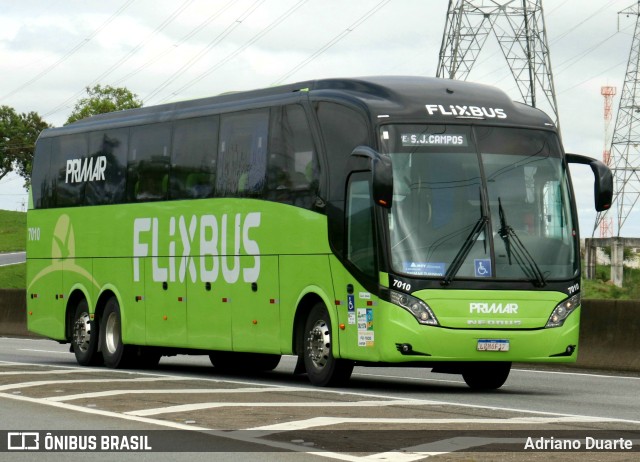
(327, 421)
(14, 386)
(438, 448)
(579, 374)
(181, 391)
(324, 404)
(243, 436)
(49, 372)
(421, 379)
(66, 352)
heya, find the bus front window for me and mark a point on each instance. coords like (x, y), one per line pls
(484, 196)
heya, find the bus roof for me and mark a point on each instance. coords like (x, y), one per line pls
(397, 98)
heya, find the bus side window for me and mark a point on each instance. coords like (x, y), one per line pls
(193, 158)
(242, 154)
(343, 128)
(41, 181)
(360, 248)
(148, 163)
(113, 146)
(293, 171)
(68, 189)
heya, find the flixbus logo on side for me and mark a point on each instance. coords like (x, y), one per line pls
(208, 249)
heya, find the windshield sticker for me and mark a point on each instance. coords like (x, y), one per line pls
(482, 267)
(423, 268)
(425, 139)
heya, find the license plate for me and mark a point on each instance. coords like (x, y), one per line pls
(493, 345)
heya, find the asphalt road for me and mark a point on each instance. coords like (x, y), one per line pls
(12, 258)
(385, 414)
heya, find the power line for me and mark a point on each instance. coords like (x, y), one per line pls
(235, 53)
(333, 41)
(219, 38)
(193, 32)
(122, 60)
(71, 52)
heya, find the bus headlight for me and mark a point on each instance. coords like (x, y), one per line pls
(419, 309)
(563, 310)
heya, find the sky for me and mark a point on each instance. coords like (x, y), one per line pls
(161, 50)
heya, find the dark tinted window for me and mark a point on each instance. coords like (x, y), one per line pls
(71, 169)
(40, 177)
(148, 163)
(360, 248)
(242, 153)
(193, 164)
(293, 170)
(112, 147)
(343, 129)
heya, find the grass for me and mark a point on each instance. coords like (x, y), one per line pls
(13, 276)
(601, 287)
(13, 237)
(13, 231)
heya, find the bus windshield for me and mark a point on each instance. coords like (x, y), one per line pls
(479, 202)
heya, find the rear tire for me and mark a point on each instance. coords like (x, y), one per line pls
(85, 336)
(322, 368)
(114, 352)
(486, 376)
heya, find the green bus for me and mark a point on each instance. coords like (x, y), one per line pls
(375, 221)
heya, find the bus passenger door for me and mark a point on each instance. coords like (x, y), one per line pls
(356, 306)
(256, 306)
(166, 307)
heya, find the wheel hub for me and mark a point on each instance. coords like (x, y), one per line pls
(112, 333)
(82, 332)
(319, 344)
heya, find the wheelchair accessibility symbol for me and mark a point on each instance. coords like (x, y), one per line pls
(482, 267)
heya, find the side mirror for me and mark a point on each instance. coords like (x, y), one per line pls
(603, 184)
(382, 173)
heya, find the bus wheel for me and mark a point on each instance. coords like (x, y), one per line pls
(113, 350)
(322, 368)
(84, 337)
(486, 376)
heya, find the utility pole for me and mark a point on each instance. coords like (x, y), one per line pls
(518, 26)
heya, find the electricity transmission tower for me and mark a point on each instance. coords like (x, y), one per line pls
(606, 223)
(518, 26)
(625, 143)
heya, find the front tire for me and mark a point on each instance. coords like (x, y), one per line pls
(322, 368)
(85, 336)
(486, 376)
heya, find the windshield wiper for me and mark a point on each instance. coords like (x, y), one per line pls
(520, 253)
(460, 257)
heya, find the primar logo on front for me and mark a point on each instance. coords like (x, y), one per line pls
(493, 308)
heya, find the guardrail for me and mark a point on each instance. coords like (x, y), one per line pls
(609, 330)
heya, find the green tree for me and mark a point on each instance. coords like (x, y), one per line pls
(18, 134)
(100, 100)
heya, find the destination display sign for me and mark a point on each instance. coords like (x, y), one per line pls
(427, 139)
